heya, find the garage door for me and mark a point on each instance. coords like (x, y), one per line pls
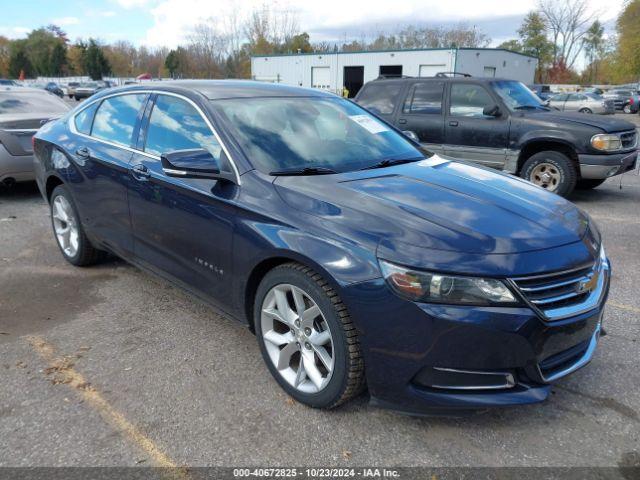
(430, 70)
(320, 77)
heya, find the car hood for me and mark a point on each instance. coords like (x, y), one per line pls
(438, 204)
(607, 124)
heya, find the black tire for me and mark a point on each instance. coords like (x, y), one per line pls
(566, 168)
(586, 110)
(588, 183)
(86, 253)
(348, 378)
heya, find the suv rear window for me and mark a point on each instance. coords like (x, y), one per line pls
(380, 97)
(425, 98)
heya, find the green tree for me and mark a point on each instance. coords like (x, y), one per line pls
(96, 64)
(18, 59)
(172, 63)
(628, 58)
(534, 42)
(513, 45)
(593, 46)
(58, 60)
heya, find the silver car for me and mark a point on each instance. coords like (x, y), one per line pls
(22, 111)
(582, 102)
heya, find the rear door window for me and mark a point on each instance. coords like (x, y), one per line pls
(425, 98)
(116, 118)
(469, 100)
(380, 97)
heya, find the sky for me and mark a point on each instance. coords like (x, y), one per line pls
(168, 22)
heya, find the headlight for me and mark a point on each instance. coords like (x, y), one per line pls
(438, 288)
(606, 142)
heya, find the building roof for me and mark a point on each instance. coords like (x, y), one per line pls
(395, 51)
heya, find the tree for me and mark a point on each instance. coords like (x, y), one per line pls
(95, 62)
(5, 53)
(172, 63)
(58, 60)
(39, 47)
(534, 41)
(593, 46)
(567, 21)
(76, 58)
(18, 59)
(628, 25)
(513, 45)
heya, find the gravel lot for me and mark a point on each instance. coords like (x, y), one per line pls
(111, 366)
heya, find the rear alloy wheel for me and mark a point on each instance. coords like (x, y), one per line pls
(307, 338)
(74, 244)
(586, 110)
(552, 171)
(627, 109)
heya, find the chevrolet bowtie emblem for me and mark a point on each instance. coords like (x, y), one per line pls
(589, 284)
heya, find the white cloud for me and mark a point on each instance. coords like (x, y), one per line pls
(108, 13)
(132, 3)
(13, 32)
(174, 18)
(65, 21)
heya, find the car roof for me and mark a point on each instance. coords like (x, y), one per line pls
(445, 79)
(223, 89)
(14, 89)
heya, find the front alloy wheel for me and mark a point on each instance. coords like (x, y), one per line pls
(297, 338)
(307, 338)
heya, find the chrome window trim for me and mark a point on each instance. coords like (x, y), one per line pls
(72, 125)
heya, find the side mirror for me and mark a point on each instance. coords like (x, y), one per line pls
(411, 135)
(194, 163)
(491, 111)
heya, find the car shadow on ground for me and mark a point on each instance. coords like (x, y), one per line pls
(22, 190)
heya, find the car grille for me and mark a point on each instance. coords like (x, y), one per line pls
(563, 294)
(628, 139)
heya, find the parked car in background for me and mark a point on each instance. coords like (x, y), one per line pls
(582, 102)
(503, 125)
(350, 253)
(624, 99)
(85, 90)
(50, 87)
(542, 91)
(23, 110)
(5, 82)
(71, 88)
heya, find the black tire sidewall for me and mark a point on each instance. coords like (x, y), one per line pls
(567, 171)
(338, 382)
(586, 110)
(61, 190)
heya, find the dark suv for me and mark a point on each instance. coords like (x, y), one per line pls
(502, 124)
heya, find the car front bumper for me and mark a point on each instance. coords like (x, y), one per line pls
(605, 166)
(410, 348)
(16, 167)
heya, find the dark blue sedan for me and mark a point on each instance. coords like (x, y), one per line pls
(355, 256)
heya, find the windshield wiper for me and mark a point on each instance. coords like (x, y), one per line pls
(388, 162)
(303, 171)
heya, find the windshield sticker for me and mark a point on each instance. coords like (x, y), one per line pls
(369, 123)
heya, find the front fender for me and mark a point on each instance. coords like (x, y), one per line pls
(339, 261)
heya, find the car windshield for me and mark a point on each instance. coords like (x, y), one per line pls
(30, 102)
(89, 85)
(516, 95)
(292, 133)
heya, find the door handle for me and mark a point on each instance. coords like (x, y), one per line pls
(83, 152)
(140, 172)
(453, 123)
(402, 121)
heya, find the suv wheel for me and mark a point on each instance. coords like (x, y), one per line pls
(627, 108)
(74, 244)
(552, 171)
(588, 183)
(307, 338)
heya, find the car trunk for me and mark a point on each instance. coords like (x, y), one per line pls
(17, 130)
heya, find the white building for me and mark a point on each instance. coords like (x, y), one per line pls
(333, 71)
